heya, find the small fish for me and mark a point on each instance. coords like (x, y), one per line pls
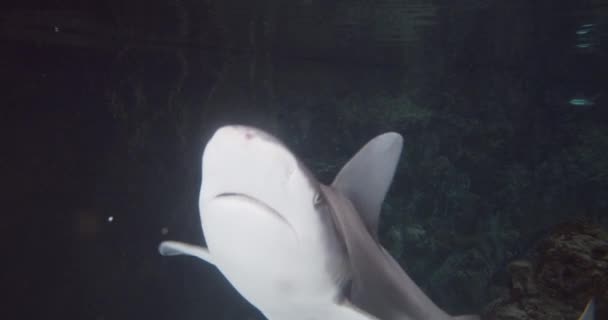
(585, 29)
(583, 100)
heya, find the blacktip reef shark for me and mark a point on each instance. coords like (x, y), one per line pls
(297, 249)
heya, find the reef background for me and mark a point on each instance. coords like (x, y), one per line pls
(107, 106)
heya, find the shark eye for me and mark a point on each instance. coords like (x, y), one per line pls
(317, 200)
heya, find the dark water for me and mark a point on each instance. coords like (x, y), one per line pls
(107, 107)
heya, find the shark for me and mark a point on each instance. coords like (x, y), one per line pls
(298, 249)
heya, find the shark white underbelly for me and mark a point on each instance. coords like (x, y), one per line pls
(279, 266)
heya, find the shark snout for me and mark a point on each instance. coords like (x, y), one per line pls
(239, 131)
(246, 133)
(246, 161)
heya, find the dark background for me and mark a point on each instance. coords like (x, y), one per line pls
(106, 108)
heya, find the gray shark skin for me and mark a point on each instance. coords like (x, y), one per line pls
(589, 312)
(297, 249)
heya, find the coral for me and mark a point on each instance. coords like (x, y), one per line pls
(573, 263)
(567, 268)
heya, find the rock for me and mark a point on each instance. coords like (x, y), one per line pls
(573, 264)
(566, 269)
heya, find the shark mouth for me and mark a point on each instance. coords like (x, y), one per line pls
(256, 202)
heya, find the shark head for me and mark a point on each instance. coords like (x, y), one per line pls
(256, 172)
(257, 199)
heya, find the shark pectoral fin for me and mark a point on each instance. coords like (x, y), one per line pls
(174, 248)
(346, 311)
(466, 317)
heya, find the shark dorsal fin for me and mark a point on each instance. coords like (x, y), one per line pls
(366, 177)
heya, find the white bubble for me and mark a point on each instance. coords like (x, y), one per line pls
(110, 218)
